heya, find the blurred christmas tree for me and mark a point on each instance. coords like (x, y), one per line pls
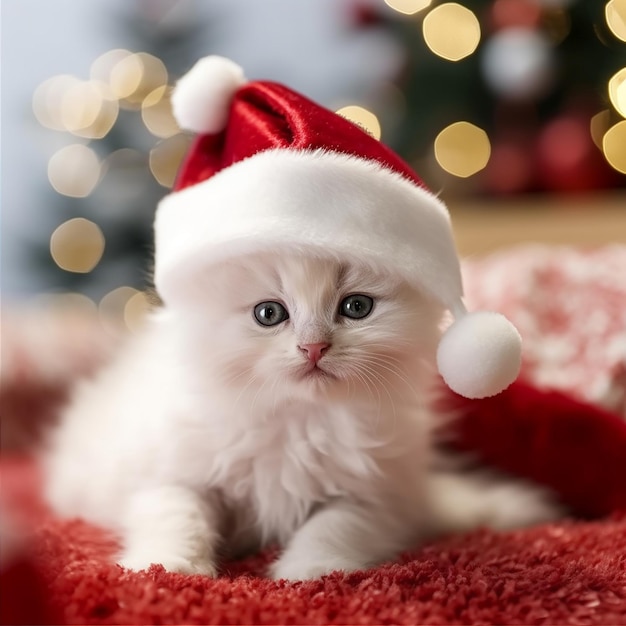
(123, 151)
(513, 95)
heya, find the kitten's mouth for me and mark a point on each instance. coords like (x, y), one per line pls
(314, 372)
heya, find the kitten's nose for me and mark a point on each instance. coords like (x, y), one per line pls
(314, 351)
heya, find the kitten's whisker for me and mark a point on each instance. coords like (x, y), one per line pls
(256, 395)
(381, 379)
(277, 380)
(383, 363)
(243, 389)
(371, 375)
(363, 379)
(242, 373)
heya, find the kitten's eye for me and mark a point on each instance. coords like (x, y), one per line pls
(270, 313)
(357, 306)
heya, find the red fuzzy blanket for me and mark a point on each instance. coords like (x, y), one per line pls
(570, 310)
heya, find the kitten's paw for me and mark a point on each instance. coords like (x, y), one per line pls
(464, 502)
(523, 505)
(289, 568)
(172, 563)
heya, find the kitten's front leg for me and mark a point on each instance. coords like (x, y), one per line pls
(172, 526)
(344, 536)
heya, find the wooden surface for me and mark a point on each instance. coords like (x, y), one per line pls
(583, 220)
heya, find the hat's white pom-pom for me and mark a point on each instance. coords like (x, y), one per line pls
(480, 354)
(202, 97)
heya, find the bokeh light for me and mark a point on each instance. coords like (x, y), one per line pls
(74, 170)
(88, 109)
(85, 108)
(617, 91)
(507, 13)
(166, 157)
(451, 31)
(462, 149)
(136, 309)
(518, 63)
(126, 75)
(102, 67)
(614, 146)
(598, 125)
(563, 148)
(112, 308)
(124, 309)
(615, 13)
(135, 76)
(408, 7)
(48, 100)
(81, 105)
(362, 118)
(77, 245)
(156, 112)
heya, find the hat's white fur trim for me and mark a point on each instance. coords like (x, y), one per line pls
(319, 200)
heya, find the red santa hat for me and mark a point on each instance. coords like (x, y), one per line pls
(272, 170)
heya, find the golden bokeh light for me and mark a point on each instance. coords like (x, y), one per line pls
(156, 112)
(363, 118)
(408, 7)
(48, 100)
(598, 125)
(81, 105)
(136, 309)
(617, 91)
(88, 109)
(85, 108)
(74, 170)
(102, 67)
(462, 149)
(615, 13)
(125, 76)
(135, 76)
(614, 146)
(166, 157)
(77, 245)
(451, 31)
(112, 309)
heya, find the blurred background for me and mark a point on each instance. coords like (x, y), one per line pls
(513, 110)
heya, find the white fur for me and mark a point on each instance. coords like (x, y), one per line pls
(202, 97)
(480, 354)
(206, 434)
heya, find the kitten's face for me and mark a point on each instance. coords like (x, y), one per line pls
(299, 326)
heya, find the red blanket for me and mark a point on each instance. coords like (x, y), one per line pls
(571, 572)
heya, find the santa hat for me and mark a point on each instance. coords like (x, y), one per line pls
(271, 170)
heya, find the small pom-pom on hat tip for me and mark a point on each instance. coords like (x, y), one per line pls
(480, 355)
(201, 99)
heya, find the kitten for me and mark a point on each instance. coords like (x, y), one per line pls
(287, 399)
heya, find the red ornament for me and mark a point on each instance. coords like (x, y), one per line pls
(567, 158)
(511, 13)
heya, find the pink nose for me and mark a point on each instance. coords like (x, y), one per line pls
(314, 351)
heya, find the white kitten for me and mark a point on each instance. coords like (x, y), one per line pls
(285, 400)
